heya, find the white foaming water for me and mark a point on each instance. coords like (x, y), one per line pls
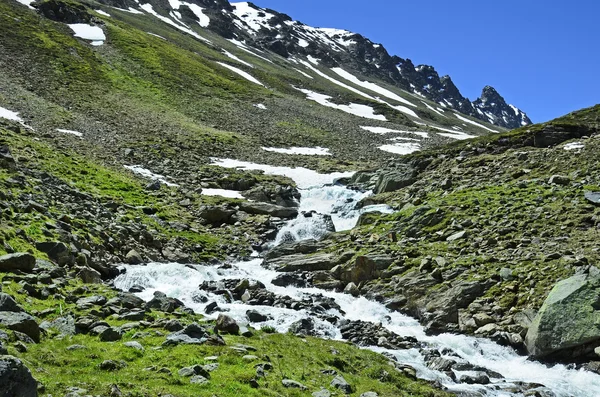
(182, 282)
(333, 200)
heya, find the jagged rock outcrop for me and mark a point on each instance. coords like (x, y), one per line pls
(492, 106)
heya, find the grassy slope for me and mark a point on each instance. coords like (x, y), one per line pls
(159, 95)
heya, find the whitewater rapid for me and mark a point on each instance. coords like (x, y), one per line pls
(182, 282)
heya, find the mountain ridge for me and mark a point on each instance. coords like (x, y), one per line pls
(277, 32)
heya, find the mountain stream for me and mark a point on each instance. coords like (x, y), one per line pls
(319, 195)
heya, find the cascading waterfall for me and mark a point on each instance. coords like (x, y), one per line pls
(332, 201)
(182, 281)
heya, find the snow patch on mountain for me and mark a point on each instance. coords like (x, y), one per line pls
(466, 120)
(306, 151)
(235, 58)
(353, 108)
(371, 86)
(245, 75)
(88, 32)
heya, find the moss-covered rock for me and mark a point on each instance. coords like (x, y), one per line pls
(569, 318)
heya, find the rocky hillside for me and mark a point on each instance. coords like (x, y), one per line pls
(483, 231)
(115, 120)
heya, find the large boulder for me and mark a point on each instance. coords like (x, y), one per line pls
(21, 322)
(443, 306)
(216, 215)
(22, 261)
(15, 379)
(395, 180)
(366, 268)
(57, 251)
(301, 262)
(8, 304)
(227, 325)
(568, 319)
(256, 208)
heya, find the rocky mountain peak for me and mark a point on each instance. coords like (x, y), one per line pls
(494, 108)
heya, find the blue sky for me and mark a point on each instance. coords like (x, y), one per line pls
(542, 56)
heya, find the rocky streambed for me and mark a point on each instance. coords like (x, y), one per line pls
(278, 292)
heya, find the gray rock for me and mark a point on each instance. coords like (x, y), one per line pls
(15, 378)
(130, 301)
(198, 380)
(216, 215)
(134, 345)
(246, 332)
(193, 334)
(8, 304)
(64, 325)
(256, 317)
(506, 274)
(23, 261)
(593, 197)
(89, 276)
(57, 251)
(287, 279)
(257, 208)
(457, 236)
(134, 258)
(163, 303)
(111, 365)
(7, 161)
(292, 384)
(440, 364)
(568, 318)
(21, 322)
(340, 383)
(395, 180)
(194, 370)
(111, 334)
(559, 180)
(227, 325)
(76, 347)
(444, 305)
(303, 327)
(98, 300)
(366, 267)
(300, 262)
(352, 289)
(369, 394)
(322, 393)
(478, 378)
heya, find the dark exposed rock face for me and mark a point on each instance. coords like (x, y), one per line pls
(15, 378)
(24, 262)
(62, 11)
